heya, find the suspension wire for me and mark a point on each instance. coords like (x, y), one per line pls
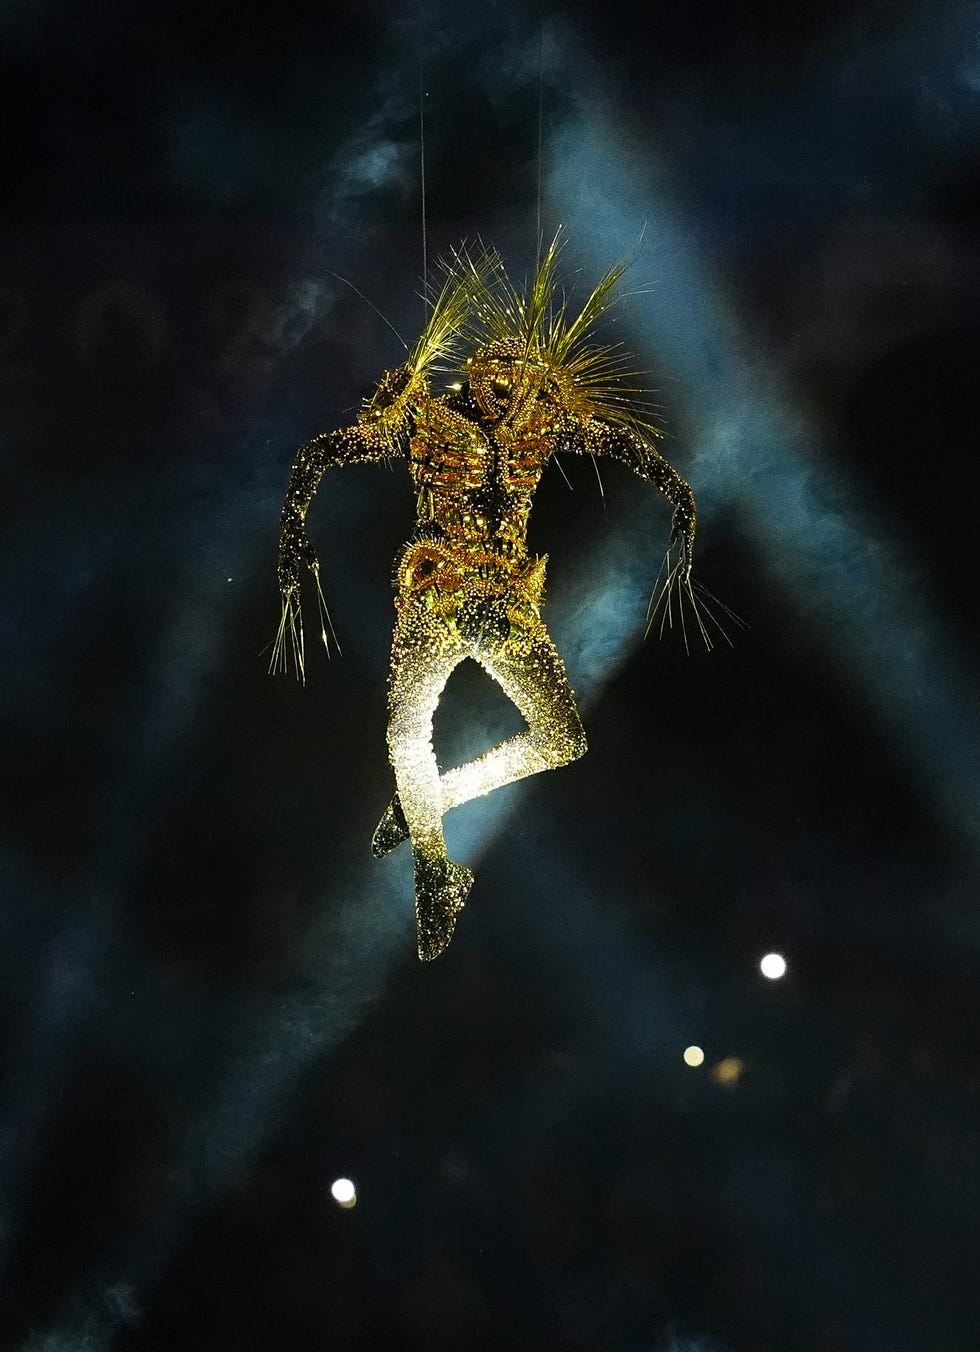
(425, 243)
(540, 123)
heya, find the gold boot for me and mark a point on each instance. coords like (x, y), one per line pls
(441, 888)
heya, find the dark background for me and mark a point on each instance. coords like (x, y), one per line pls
(211, 1006)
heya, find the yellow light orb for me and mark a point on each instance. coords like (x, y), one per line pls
(693, 1056)
(727, 1073)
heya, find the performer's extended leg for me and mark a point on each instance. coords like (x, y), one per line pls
(530, 671)
(423, 655)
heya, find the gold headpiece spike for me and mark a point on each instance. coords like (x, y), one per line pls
(601, 300)
(538, 319)
(447, 314)
(464, 288)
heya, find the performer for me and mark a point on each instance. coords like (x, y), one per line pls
(466, 585)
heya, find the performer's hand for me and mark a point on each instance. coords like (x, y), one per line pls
(393, 387)
(682, 535)
(295, 549)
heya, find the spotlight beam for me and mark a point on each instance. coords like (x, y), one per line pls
(755, 451)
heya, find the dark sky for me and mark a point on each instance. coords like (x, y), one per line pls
(211, 1004)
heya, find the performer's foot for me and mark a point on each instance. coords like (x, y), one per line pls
(391, 831)
(441, 888)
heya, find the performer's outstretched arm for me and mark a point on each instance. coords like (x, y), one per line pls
(643, 458)
(382, 431)
(674, 592)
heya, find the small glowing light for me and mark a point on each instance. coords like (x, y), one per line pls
(343, 1192)
(456, 385)
(693, 1056)
(728, 1072)
(231, 579)
(773, 966)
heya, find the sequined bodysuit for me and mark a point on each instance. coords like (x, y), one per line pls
(465, 584)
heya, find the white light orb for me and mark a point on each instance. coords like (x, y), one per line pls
(343, 1192)
(773, 966)
(693, 1056)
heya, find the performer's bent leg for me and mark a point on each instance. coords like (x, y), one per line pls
(530, 671)
(423, 655)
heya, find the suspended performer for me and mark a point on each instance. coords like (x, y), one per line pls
(466, 586)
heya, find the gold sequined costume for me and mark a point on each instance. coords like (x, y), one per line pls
(466, 585)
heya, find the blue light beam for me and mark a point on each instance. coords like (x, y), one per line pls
(755, 451)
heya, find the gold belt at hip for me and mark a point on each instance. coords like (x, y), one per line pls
(432, 569)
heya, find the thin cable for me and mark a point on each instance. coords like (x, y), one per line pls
(540, 122)
(425, 243)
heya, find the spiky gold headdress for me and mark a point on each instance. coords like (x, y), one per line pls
(537, 321)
